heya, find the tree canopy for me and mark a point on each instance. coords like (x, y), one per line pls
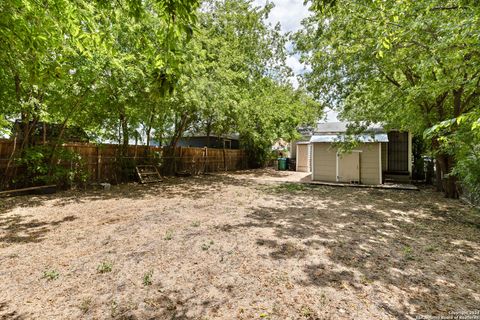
(411, 65)
(156, 69)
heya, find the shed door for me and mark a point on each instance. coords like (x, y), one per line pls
(348, 167)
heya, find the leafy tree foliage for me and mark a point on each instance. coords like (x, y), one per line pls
(408, 64)
(126, 69)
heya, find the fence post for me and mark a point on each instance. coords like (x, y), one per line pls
(175, 158)
(205, 159)
(99, 165)
(224, 159)
(244, 157)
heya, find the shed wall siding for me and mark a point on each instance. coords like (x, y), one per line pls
(370, 163)
(324, 162)
(302, 158)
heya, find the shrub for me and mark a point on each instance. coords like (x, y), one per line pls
(67, 168)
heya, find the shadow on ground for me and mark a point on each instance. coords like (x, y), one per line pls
(422, 248)
(172, 187)
(16, 230)
(410, 252)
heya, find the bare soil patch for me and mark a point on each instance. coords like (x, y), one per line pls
(231, 247)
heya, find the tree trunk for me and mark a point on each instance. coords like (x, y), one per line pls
(429, 173)
(449, 181)
(44, 132)
(125, 135)
(180, 126)
(6, 176)
(179, 130)
(451, 187)
(438, 176)
(149, 126)
(60, 136)
(209, 132)
(149, 129)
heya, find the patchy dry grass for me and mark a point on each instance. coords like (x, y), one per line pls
(228, 246)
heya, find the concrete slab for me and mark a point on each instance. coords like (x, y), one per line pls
(271, 175)
(398, 186)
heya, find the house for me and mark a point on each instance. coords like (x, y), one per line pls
(378, 156)
(42, 132)
(212, 141)
(280, 148)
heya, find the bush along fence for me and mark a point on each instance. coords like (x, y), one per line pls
(83, 163)
(469, 196)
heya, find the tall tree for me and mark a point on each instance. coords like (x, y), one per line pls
(408, 64)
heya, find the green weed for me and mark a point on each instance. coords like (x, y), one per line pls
(168, 235)
(104, 267)
(408, 253)
(207, 246)
(50, 275)
(147, 278)
(291, 187)
(196, 224)
(85, 305)
(307, 312)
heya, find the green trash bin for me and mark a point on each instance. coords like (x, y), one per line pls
(282, 164)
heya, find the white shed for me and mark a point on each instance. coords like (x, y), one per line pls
(367, 163)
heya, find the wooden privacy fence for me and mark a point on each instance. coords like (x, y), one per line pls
(103, 163)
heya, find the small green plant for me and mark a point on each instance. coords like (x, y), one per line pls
(291, 187)
(307, 312)
(147, 278)
(365, 280)
(104, 267)
(50, 275)
(196, 224)
(85, 305)
(207, 246)
(113, 309)
(168, 235)
(408, 253)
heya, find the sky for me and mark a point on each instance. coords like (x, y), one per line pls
(290, 14)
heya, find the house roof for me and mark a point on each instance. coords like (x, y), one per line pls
(72, 133)
(365, 138)
(337, 132)
(341, 127)
(231, 136)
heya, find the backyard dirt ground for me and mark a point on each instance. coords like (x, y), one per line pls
(235, 246)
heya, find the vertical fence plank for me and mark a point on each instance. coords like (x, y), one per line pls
(99, 164)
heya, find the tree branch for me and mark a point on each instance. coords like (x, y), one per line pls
(389, 78)
(446, 8)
